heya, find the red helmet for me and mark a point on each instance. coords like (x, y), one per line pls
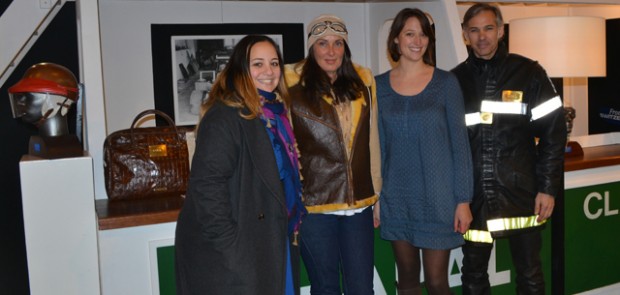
(48, 85)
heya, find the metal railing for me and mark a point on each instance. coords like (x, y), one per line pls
(23, 50)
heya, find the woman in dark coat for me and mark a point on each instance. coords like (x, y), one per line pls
(236, 232)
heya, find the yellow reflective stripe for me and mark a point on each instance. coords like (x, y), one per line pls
(546, 107)
(472, 119)
(479, 236)
(503, 107)
(513, 223)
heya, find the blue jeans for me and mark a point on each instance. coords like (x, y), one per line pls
(333, 244)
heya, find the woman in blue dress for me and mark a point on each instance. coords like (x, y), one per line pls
(426, 162)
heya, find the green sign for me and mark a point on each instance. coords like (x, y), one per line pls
(592, 237)
(501, 270)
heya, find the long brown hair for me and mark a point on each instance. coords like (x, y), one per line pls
(397, 26)
(234, 86)
(317, 84)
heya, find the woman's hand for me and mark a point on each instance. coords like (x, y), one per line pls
(375, 214)
(462, 218)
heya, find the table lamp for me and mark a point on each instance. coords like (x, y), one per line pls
(567, 47)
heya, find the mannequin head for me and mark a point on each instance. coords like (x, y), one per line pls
(43, 97)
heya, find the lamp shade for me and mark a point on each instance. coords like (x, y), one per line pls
(566, 46)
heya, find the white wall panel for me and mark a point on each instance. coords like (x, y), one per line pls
(126, 50)
(449, 50)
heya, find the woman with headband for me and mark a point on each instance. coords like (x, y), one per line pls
(333, 110)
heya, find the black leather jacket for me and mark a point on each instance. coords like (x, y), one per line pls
(520, 151)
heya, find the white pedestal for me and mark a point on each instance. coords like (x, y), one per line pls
(60, 225)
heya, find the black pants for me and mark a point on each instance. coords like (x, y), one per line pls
(525, 250)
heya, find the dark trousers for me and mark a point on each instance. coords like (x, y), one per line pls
(525, 250)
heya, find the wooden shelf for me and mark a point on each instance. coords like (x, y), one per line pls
(121, 214)
(594, 157)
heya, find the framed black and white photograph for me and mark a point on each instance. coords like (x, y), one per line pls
(207, 76)
(187, 59)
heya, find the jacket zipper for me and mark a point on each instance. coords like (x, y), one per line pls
(349, 198)
(350, 192)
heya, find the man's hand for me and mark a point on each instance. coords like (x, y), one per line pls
(462, 218)
(544, 206)
(375, 215)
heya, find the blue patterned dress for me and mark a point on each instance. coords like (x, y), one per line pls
(426, 162)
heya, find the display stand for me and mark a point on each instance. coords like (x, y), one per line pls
(60, 225)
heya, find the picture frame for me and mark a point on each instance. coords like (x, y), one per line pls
(187, 59)
(207, 76)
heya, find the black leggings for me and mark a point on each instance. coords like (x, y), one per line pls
(435, 268)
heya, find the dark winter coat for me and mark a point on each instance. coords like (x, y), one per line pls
(517, 153)
(231, 234)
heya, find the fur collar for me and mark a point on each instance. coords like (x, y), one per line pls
(292, 73)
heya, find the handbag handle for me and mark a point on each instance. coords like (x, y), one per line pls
(157, 113)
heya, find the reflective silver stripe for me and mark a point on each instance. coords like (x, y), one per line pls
(472, 119)
(513, 223)
(504, 107)
(478, 118)
(546, 107)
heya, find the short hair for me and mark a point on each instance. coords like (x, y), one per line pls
(480, 7)
(397, 26)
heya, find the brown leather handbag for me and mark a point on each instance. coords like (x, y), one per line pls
(149, 162)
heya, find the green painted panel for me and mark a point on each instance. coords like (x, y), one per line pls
(592, 242)
(165, 268)
(385, 264)
(385, 267)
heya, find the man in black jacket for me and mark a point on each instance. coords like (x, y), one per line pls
(517, 135)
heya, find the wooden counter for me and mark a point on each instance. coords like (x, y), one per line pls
(594, 157)
(120, 214)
